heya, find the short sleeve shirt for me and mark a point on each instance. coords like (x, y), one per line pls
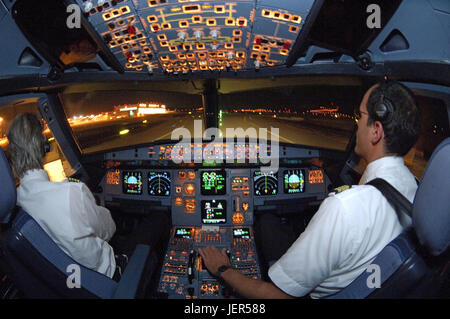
(345, 235)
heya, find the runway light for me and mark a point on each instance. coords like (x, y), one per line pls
(123, 132)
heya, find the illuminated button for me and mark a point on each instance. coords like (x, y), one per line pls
(178, 201)
(238, 218)
(131, 30)
(178, 189)
(287, 45)
(245, 206)
(189, 189)
(181, 174)
(191, 175)
(189, 205)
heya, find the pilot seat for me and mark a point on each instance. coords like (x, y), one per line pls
(40, 269)
(416, 264)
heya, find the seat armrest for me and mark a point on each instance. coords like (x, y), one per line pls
(129, 282)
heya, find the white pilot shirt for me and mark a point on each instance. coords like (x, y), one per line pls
(70, 216)
(345, 235)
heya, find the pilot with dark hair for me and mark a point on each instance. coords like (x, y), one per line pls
(67, 211)
(351, 227)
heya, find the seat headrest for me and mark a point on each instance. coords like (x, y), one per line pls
(431, 207)
(8, 194)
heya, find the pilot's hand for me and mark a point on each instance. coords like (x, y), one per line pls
(213, 258)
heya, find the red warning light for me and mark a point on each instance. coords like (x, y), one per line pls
(287, 45)
(131, 30)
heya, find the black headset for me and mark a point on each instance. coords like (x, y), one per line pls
(384, 108)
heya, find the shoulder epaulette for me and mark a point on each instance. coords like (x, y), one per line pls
(339, 189)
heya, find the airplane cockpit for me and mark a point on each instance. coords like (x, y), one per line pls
(220, 116)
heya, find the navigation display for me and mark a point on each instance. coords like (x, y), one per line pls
(265, 184)
(213, 182)
(214, 211)
(159, 183)
(294, 181)
(183, 233)
(132, 182)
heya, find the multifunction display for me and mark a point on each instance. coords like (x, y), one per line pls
(214, 211)
(132, 182)
(213, 182)
(294, 181)
(243, 233)
(185, 233)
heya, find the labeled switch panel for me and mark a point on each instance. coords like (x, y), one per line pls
(182, 36)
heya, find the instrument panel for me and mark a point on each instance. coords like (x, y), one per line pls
(209, 205)
(215, 196)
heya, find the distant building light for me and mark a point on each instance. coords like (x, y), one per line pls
(151, 110)
(133, 108)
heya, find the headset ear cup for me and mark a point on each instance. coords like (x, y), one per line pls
(381, 111)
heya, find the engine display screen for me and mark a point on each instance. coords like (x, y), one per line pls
(183, 233)
(132, 182)
(214, 211)
(213, 182)
(294, 181)
(243, 233)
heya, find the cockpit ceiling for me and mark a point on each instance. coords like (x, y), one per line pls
(181, 36)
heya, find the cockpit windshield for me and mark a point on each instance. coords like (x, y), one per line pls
(103, 120)
(313, 116)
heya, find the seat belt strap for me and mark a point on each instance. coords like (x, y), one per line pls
(399, 202)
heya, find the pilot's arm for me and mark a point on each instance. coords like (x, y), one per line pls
(303, 267)
(246, 287)
(327, 242)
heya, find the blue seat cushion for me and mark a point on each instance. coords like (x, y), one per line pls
(25, 228)
(7, 189)
(389, 260)
(431, 209)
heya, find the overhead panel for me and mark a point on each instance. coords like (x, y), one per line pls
(180, 36)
